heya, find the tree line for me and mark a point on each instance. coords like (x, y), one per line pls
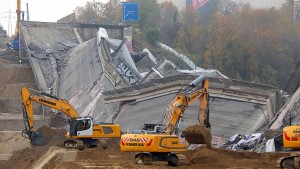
(259, 45)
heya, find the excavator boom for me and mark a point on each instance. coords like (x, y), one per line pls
(83, 129)
(196, 134)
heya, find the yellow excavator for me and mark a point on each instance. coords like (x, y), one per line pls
(83, 131)
(161, 142)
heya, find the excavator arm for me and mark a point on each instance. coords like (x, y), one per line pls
(197, 90)
(53, 102)
(50, 101)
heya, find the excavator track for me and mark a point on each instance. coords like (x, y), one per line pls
(72, 144)
(288, 162)
(173, 160)
(143, 159)
(103, 144)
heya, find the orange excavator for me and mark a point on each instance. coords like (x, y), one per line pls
(161, 142)
(83, 131)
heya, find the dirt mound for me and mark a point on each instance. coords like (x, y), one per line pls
(219, 158)
(47, 131)
(198, 134)
(58, 121)
(12, 74)
(97, 157)
(9, 140)
(112, 157)
(201, 158)
(27, 157)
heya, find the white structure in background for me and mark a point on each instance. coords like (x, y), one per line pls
(180, 4)
(121, 57)
(101, 33)
(188, 61)
(153, 59)
(191, 64)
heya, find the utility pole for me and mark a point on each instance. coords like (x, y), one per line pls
(27, 12)
(18, 17)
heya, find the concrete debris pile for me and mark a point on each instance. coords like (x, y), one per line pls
(51, 62)
(254, 142)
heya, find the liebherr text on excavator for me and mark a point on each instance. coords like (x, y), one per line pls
(161, 142)
(83, 131)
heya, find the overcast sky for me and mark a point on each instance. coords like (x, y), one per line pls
(39, 10)
(263, 3)
(52, 10)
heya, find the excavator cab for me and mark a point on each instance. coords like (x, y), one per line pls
(148, 128)
(84, 126)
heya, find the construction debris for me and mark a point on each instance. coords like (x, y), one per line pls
(244, 142)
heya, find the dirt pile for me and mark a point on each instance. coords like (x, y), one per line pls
(53, 155)
(25, 158)
(9, 140)
(59, 121)
(204, 157)
(13, 76)
(219, 158)
(112, 157)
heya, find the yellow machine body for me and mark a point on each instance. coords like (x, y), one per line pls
(291, 137)
(151, 143)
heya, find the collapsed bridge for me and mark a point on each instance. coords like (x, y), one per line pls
(100, 77)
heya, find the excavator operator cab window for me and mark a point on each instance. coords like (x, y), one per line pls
(84, 124)
(151, 127)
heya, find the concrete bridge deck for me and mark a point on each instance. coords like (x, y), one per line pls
(79, 72)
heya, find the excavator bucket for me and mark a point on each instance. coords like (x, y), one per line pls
(197, 134)
(37, 139)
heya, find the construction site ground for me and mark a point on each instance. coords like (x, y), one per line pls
(53, 155)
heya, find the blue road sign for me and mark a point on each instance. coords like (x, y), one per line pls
(130, 11)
